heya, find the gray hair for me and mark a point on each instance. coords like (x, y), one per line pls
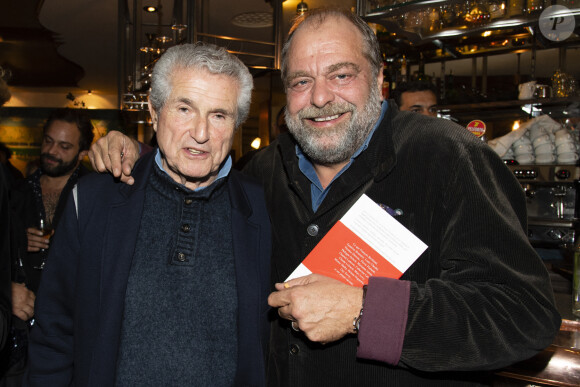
(371, 48)
(206, 56)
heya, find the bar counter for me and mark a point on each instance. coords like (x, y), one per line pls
(557, 365)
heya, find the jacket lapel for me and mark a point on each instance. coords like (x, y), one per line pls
(122, 225)
(246, 240)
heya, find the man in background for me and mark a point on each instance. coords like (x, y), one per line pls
(5, 295)
(5, 276)
(417, 96)
(14, 175)
(67, 136)
(479, 298)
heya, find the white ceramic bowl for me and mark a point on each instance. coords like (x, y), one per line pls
(524, 140)
(566, 147)
(545, 149)
(545, 158)
(523, 149)
(563, 137)
(525, 159)
(536, 131)
(541, 140)
(567, 158)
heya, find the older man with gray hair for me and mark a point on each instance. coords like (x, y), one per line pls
(164, 282)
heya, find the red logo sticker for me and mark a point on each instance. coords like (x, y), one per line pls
(476, 127)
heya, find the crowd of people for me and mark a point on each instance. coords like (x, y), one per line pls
(170, 266)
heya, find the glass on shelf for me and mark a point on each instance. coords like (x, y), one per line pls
(563, 85)
(150, 39)
(476, 13)
(432, 21)
(448, 15)
(164, 39)
(497, 9)
(178, 32)
(515, 8)
(413, 20)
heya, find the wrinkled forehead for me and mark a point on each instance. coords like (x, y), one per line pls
(330, 37)
(329, 26)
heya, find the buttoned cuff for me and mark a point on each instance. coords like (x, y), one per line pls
(382, 327)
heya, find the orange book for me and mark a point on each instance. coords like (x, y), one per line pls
(367, 241)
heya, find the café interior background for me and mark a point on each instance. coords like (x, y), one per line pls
(94, 54)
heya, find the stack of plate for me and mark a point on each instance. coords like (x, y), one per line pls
(566, 147)
(543, 147)
(523, 150)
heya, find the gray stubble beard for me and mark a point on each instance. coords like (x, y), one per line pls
(346, 137)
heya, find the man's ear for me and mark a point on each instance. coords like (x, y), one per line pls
(380, 82)
(83, 154)
(153, 114)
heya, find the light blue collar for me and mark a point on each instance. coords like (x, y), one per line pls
(223, 172)
(307, 168)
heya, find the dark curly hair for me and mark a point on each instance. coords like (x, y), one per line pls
(412, 86)
(78, 117)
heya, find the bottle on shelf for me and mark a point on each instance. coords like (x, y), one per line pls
(402, 75)
(447, 15)
(432, 22)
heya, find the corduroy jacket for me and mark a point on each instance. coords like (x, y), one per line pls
(477, 299)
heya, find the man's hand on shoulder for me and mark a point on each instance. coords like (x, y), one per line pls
(115, 153)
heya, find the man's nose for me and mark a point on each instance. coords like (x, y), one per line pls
(52, 148)
(199, 131)
(321, 93)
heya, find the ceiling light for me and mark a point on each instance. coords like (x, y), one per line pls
(301, 8)
(256, 143)
(253, 20)
(150, 8)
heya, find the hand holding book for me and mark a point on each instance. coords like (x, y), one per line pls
(321, 307)
(367, 241)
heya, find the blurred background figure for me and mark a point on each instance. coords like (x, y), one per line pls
(13, 174)
(417, 96)
(31, 167)
(278, 129)
(40, 197)
(5, 276)
(281, 122)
